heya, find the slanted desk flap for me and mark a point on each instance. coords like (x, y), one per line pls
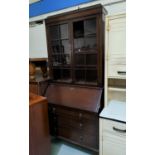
(75, 97)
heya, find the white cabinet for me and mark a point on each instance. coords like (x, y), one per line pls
(116, 46)
(113, 130)
(113, 137)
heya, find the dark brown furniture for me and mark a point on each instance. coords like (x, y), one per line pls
(39, 85)
(39, 137)
(76, 46)
(73, 114)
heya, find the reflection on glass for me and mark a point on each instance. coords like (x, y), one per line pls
(57, 60)
(79, 43)
(90, 42)
(90, 26)
(66, 45)
(55, 32)
(64, 31)
(78, 29)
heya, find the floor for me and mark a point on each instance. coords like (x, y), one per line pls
(60, 147)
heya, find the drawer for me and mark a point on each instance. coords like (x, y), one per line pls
(79, 137)
(113, 128)
(68, 112)
(117, 71)
(118, 146)
(88, 126)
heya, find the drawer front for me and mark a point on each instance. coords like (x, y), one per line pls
(113, 128)
(79, 137)
(117, 71)
(76, 114)
(88, 126)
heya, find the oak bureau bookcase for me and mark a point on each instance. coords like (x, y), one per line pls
(76, 66)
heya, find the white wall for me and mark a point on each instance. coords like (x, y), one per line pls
(37, 41)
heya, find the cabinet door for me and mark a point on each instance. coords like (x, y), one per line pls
(113, 145)
(112, 138)
(60, 52)
(116, 27)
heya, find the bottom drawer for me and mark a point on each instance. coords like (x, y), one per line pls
(113, 146)
(80, 138)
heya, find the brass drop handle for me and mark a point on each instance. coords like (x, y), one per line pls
(80, 115)
(81, 125)
(119, 130)
(53, 109)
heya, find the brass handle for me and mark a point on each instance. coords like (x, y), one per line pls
(81, 124)
(53, 109)
(119, 130)
(80, 115)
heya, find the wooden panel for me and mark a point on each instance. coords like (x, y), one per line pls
(87, 126)
(80, 138)
(75, 97)
(38, 126)
(76, 14)
(33, 88)
(39, 85)
(78, 115)
(77, 126)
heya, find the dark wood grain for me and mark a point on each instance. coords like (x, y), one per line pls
(39, 143)
(73, 114)
(39, 85)
(87, 99)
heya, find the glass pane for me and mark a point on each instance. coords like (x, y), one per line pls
(66, 74)
(91, 59)
(78, 29)
(55, 46)
(90, 27)
(57, 74)
(80, 59)
(55, 32)
(66, 47)
(90, 42)
(80, 76)
(56, 60)
(64, 31)
(91, 75)
(79, 43)
(65, 59)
